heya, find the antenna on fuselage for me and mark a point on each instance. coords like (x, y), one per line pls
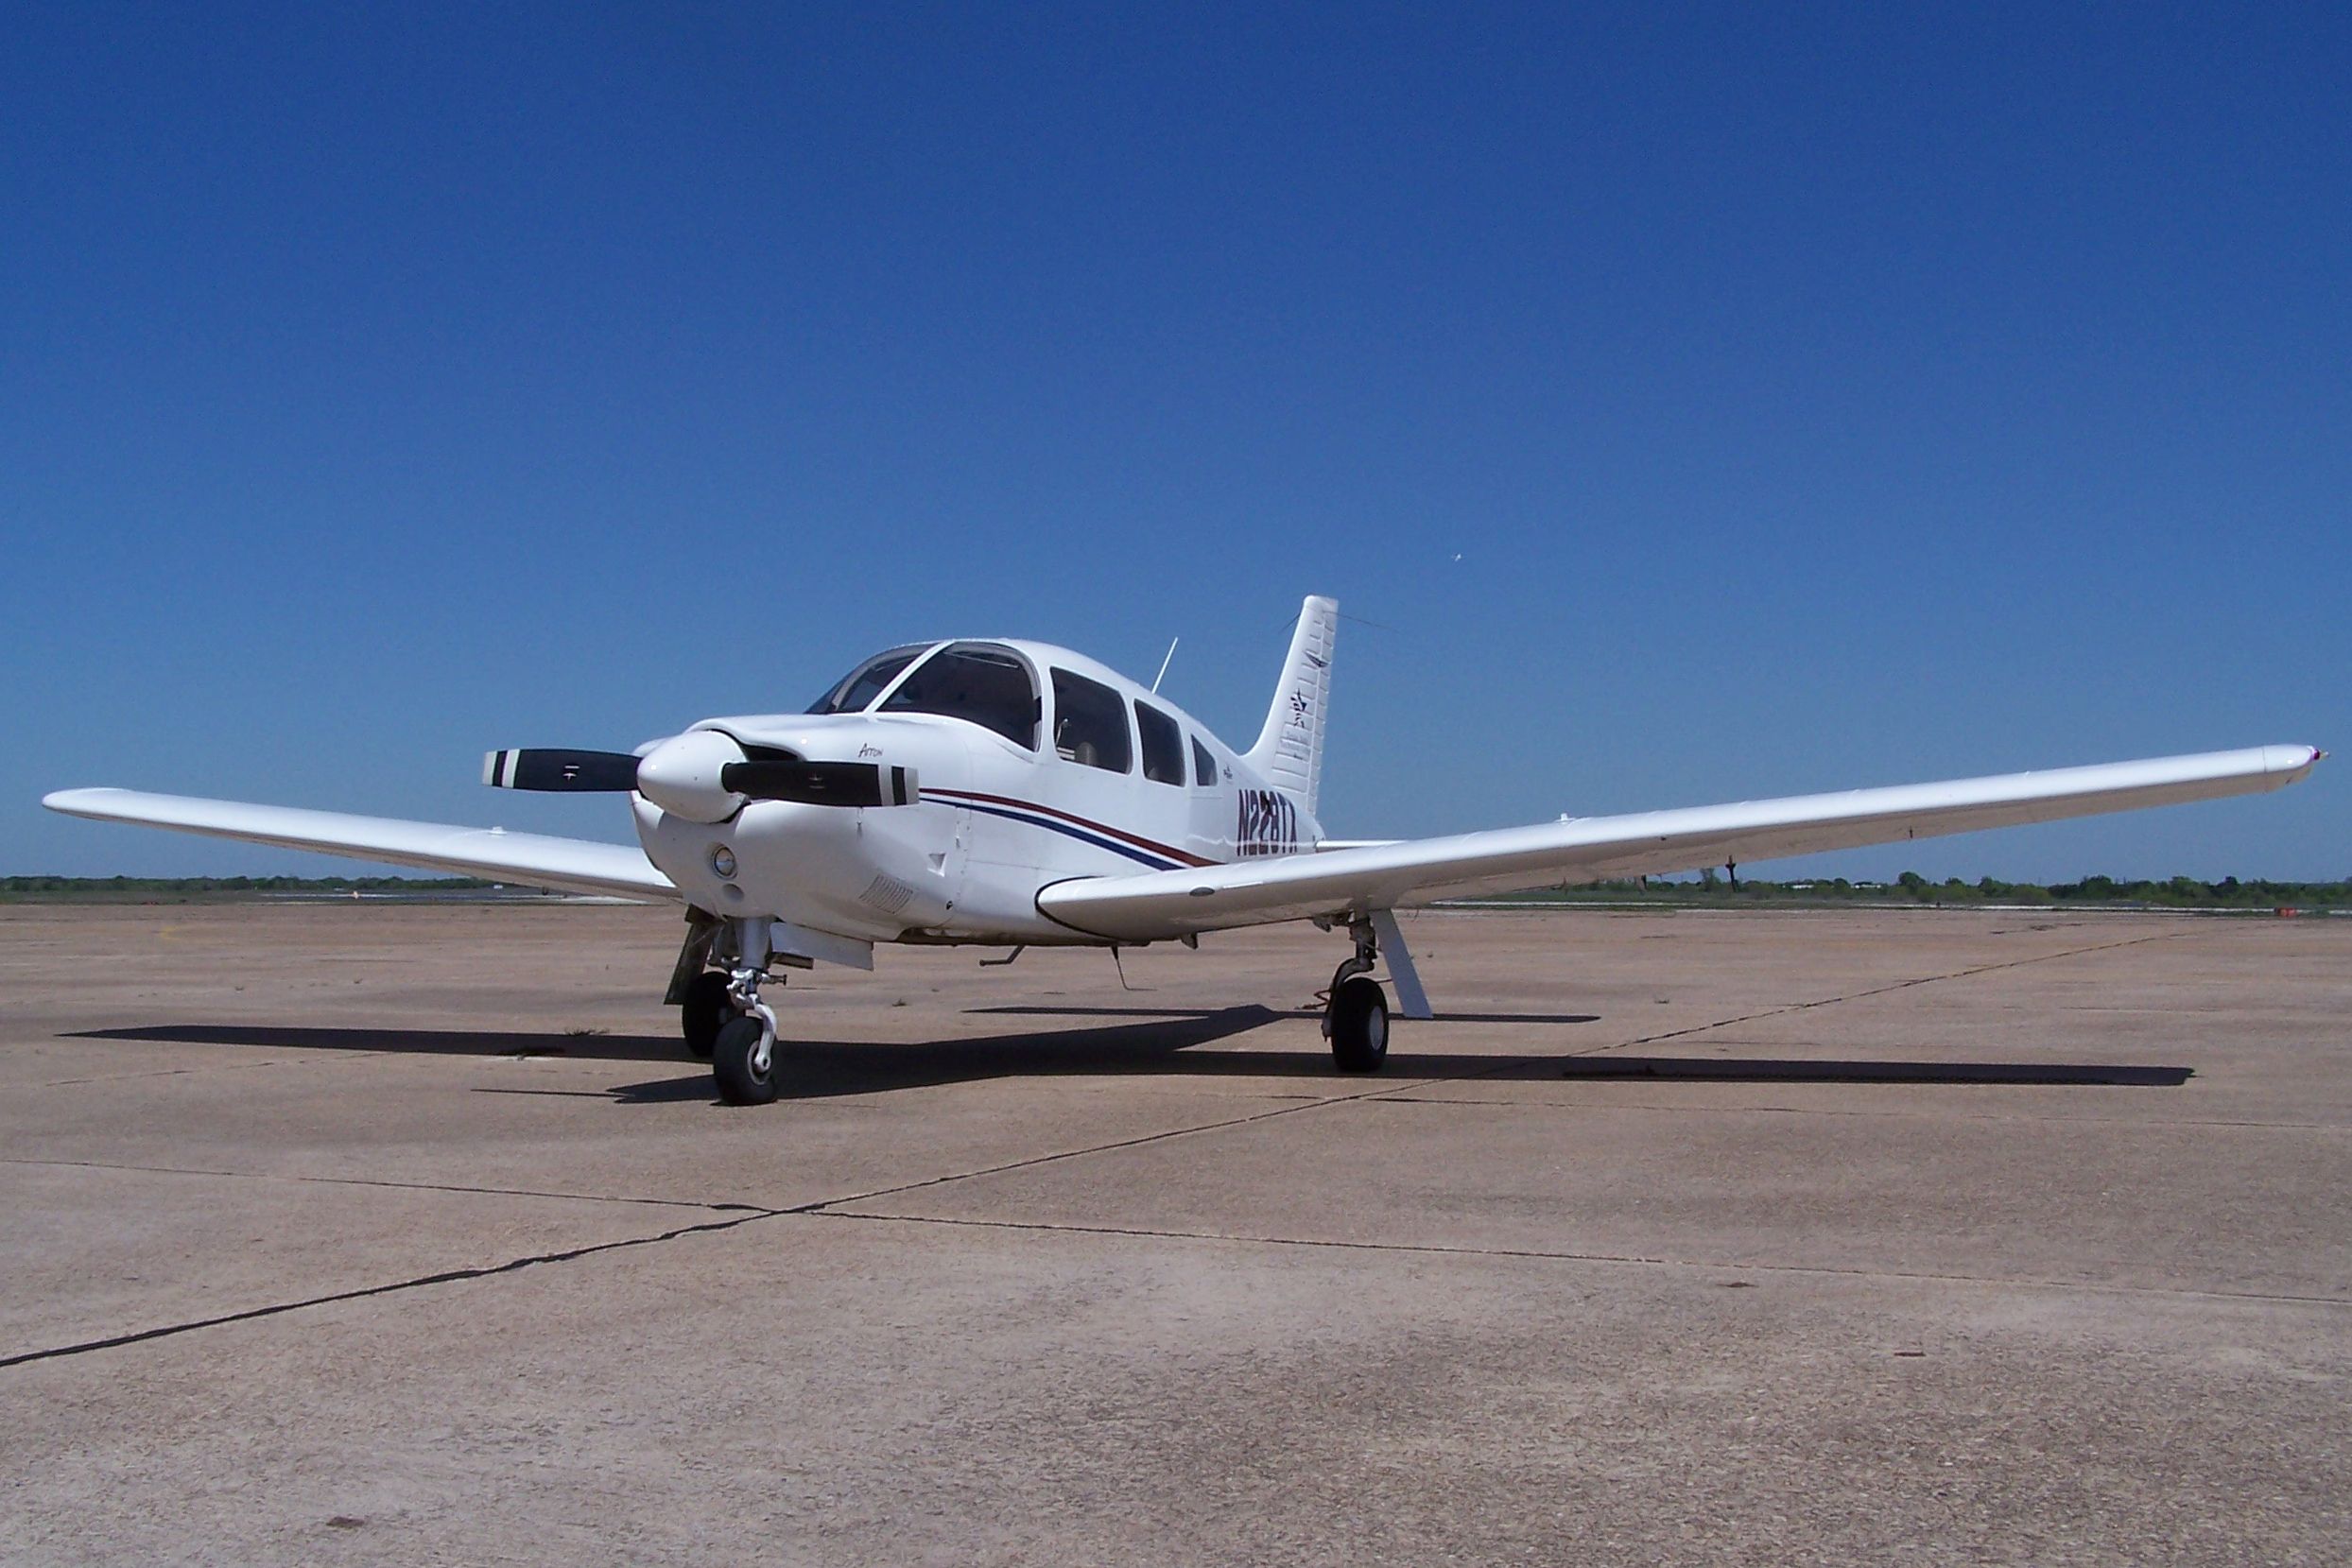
(1163, 675)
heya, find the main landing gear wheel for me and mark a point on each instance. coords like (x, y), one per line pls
(705, 1011)
(743, 1059)
(1358, 1022)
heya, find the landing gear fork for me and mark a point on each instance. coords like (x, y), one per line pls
(743, 1057)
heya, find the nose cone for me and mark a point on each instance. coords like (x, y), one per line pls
(681, 776)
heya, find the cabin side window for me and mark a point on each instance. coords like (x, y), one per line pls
(1203, 766)
(1089, 723)
(1162, 745)
(980, 681)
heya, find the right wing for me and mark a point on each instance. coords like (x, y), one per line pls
(1155, 906)
(567, 865)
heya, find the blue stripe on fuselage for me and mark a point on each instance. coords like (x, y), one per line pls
(1079, 833)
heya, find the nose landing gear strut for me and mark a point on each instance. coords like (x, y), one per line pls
(743, 1053)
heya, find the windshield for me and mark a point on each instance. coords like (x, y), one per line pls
(860, 686)
(980, 681)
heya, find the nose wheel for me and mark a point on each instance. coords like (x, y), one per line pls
(743, 1059)
(742, 1043)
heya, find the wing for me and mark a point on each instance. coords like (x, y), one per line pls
(569, 865)
(1159, 904)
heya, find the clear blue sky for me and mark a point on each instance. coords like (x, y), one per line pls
(1704, 405)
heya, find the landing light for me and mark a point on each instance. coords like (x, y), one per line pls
(723, 862)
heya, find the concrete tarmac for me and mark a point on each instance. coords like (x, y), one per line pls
(358, 1232)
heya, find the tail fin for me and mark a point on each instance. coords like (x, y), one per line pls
(1288, 753)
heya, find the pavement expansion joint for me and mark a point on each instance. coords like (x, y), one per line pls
(188, 1072)
(1864, 1113)
(379, 1181)
(447, 1276)
(1625, 1259)
(822, 1204)
(1880, 990)
(1321, 1102)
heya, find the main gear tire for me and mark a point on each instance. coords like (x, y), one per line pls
(1358, 1020)
(704, 1012)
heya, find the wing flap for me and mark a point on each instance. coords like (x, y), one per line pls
(567, 865)
(1158, 905)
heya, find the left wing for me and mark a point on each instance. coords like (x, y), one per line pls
(568, 865)
(1159, 904)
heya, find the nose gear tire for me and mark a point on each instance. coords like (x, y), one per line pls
(732, 1063)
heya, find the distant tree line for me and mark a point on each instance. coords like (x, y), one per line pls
(198, 887)
(2184, 892)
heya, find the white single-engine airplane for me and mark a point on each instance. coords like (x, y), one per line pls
(1012, 793)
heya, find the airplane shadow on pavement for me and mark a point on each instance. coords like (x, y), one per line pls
(1138, 1040)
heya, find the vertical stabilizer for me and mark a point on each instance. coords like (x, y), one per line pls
(1290, 750)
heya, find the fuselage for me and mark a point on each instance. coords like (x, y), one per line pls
(1033, 765)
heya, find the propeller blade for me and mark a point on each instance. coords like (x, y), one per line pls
(762, 778)
(821, 783)
(564, 773)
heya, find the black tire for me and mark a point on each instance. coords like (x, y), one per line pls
(1359, 1025)
(730, 1063)
(704, 1012)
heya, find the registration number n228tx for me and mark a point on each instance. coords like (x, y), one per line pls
(1268, 823)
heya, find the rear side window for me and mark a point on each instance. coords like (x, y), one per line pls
(1089, 722)
(1203, 766)
(987, 685)
(1162, 745)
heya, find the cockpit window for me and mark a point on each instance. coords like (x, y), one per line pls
(1203, 766)
(860, 686)
(989, 686)
(1089, 723)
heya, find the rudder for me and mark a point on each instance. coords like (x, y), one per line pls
(1289, 749)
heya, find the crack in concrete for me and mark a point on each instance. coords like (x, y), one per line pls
(447, 1276)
